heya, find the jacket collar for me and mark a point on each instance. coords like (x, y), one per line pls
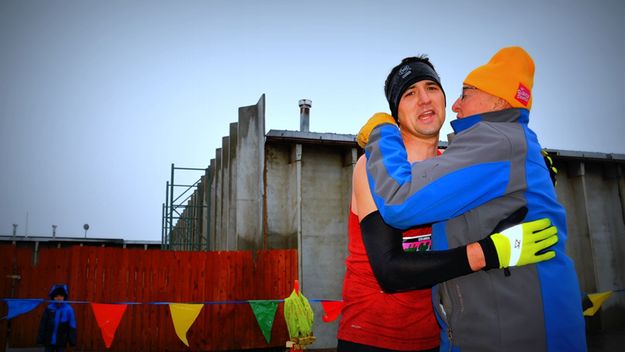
(509, 115)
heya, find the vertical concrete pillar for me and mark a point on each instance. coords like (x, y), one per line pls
(232, 196)
(596, 232)
(219, 240)
(212, 207)
(250, 175)
(571, 192)
(325, 194)
(280, 231)
(206, 206)
(225, 197)
(607, 236)
(296, 162)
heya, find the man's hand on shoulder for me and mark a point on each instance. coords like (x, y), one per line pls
(374, 121)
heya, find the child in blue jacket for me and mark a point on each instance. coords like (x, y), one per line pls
(58, 323)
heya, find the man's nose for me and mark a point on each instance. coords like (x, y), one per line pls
(424, 97)
(456, 107)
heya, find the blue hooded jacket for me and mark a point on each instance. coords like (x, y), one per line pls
(58, 323)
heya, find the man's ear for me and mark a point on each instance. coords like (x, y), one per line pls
(501, 104)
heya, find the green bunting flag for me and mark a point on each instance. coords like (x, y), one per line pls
(265, 312)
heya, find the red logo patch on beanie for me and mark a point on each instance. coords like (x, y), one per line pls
(523, 94)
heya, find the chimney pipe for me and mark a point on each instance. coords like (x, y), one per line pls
(304, 115)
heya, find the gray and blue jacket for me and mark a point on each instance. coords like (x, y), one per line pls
(492, 167)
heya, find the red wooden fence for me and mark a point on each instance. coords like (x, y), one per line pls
(108, 275)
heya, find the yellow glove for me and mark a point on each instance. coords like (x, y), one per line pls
(525, 243)
(553, 172)
(374, 121)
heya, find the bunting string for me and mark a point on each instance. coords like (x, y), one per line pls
(183, 314)
(108, 315)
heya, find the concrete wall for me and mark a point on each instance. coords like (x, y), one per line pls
(308, 193)
(249, 177)
(291, 189)
(593, 192)
(326, 192)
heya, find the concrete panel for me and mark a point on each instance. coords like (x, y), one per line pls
(210, 206)
(621, 189)
(607, 233)
(325, 200)
(220, 241)
(250, 176)
(227, 233)
(281, 229)
(571, 190)
(232, 197)
(591, 194)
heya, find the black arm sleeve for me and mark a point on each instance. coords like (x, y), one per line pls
(397, 270)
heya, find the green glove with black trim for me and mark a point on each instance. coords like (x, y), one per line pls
(521, 244)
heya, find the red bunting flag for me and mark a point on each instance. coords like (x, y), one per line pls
(331, 310)
(108, 317)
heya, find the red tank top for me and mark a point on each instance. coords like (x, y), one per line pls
(399, 321)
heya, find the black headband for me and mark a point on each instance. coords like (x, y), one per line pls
(405, 76)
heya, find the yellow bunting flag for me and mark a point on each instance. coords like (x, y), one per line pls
(184, 315)
(597, 300)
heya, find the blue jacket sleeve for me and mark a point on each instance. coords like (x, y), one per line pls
(471, 172)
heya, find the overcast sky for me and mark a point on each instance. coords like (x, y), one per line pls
(99, 98)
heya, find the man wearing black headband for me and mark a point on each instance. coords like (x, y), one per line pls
(492, 167)
(386, 291)
(410, 71)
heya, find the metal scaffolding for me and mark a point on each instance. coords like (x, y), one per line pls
(183, 213)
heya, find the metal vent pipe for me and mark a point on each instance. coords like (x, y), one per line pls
(304, 115)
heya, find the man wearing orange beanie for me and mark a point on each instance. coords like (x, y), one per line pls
(492, 167)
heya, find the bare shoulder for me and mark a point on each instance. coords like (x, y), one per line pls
(361, 165)
(362, 201)
(360, 174)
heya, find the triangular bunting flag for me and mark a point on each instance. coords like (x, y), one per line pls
(184, 315)
(108, 317)
(265, 312)
(20, 306)
(597, 300)
(331, 310)
(298, 315)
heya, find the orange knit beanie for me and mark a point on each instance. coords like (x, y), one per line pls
(509, 75)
